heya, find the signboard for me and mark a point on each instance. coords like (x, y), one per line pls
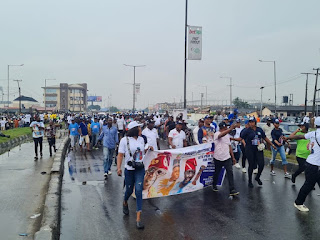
(137, 88)
(194, 43)
(94, 98)
(178, 171)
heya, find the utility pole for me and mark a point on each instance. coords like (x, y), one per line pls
(315, 91)
(306, 94)
(261, 88)
(185, 57)
(19, 94)
(201, 94)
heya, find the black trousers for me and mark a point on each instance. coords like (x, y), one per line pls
(244, 156)
(228, 166)
(302, 166)
(312, 173)
(52, 143)
(255, 158)
(37, 141)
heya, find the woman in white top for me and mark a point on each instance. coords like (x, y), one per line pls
(132, 149)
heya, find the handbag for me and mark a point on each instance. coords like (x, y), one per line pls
(134, 164)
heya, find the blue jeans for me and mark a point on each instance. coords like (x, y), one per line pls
(134, 178)
(282, 155)
(95, 137)
(107, 159)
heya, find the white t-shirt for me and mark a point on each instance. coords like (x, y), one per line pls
(41, 117)
(135, 145)
(120, 123)
(177, 137)
(267, 130)
(27, 118)
(306, 119)
(157, 121)
(69, 119)
(195, 134)
(152, 136)
(314, 158)
(37, 133)
(3, 123)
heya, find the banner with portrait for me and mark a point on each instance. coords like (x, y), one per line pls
(176, 171)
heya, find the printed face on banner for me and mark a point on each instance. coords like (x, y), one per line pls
(178, 171)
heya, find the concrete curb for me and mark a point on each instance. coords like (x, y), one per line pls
(6, 146)
(50, 224)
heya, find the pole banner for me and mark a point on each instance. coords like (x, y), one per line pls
(176, 171)
(194, 43)
(137, 88)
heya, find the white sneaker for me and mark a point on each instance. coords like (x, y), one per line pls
(272, 173)
(244, 170)
(287, 175)
(301, 208)
(237, 165)
(105, 174)
(109, 172)
(255, 171)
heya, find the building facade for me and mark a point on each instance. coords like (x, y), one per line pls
(66, 97)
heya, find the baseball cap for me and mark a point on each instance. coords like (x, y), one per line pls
(179, 122)
(246, 121)
(225, 118)
(201, 120)
(269, 119)
(222, 125)
(238, 120)
(276, 121)
(252, 119)
(317, 121)
(134, 124)
(150, 121)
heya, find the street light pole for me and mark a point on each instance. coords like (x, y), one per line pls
(45, 92)
(306, 97)
(134, 83)
(261, 88)
(275, 84)
(230, 78)
(19, 94)
(185, 57)
(9, 79)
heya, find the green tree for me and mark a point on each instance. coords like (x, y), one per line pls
(114, 109)
(240, 103)
(94, 107)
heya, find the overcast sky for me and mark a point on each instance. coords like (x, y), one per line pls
(79, 41)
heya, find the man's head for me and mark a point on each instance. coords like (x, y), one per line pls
(95, 119)
(223, 126)
(201, 123)
(109, 122)
(276, 123)
(269, 120)
(150, 124)
(179, 125)
(252, 122)
(238, 123)
(235, 111)
(37, 118)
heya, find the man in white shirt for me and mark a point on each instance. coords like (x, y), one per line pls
(3, 124)
(177, 137)
(152, 135)
(27, 119)
(37, 133)
(121, 126)
(267, 128)
(312, 172)
(196, 129)
(306, 119)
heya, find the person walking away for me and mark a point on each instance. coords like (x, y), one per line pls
(253, 137)
(37, 134)
(312, 171)
(95, 132)
(302, 151)
(74, 133)
(267, 128)
(177, 137)
(109, 134)
(278, 140)
(196, 129)
(51, 136)
(121, 126)
(132, 149)
(84, 137)
(152, 135)
(223, 157)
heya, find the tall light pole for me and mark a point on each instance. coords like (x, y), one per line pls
(20, 65)
(261, 88)
(185, 57)
(306, 93)
(206, 94)
(275, 84)
(134, 83)
(230, 78)
(45, 92)
(19, 94)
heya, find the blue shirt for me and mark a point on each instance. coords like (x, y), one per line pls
(110, 136)
(84, 128)
(207, 132)
(232, 117)
(95, 127)
(74, 129)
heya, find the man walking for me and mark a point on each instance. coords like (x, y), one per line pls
(37, 134)
(74, 133)
(109, 134)
(95, 131)
(152, 135)
(84, 136)
(177, 137)
(267, 128)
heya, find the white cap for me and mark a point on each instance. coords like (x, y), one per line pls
(317, 121)
(133, 125)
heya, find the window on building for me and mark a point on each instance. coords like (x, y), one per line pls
(50, 90)
(50, 98)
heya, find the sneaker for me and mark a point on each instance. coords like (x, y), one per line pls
(301, 208)
(215, 189)
(244, 170)
(109, 172)
(255, 171)
(140, 225)
(287, 175)
(233, 193)
(250, 185)
(258, 181)
(36, 158)
(41, 155)
(272, 173)
(293, 179)
(237, 165)
(125, 209)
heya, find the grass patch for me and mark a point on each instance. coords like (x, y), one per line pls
(14, 133)
(290, 158)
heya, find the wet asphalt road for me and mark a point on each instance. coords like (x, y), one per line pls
(94, 210)
(22, 190)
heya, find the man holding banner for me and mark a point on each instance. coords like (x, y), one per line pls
(223, 156)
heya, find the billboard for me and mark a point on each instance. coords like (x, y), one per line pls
(94, 98)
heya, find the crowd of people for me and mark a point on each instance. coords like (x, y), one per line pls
(129, 136)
